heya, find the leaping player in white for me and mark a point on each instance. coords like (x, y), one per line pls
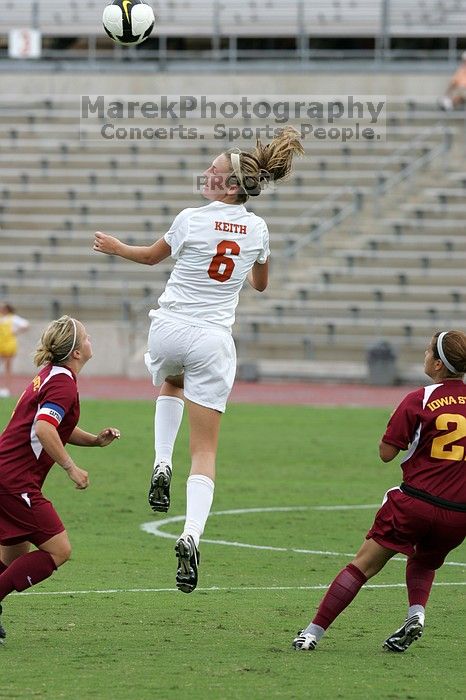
(191, 350)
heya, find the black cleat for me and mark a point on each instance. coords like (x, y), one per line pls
(412, 629)
(188, 562)
(2, 631)
(304, 641)
(159, 491)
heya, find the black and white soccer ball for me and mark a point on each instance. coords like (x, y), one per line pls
(128, 22)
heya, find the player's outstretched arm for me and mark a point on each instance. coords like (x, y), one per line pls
(146, 255)
(83, 439)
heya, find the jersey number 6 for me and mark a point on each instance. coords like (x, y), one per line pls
(221, 268)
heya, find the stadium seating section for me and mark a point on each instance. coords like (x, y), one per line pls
(254, 18)
(392, 269)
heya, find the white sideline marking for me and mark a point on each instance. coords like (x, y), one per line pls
(215, 589)
(153, 528)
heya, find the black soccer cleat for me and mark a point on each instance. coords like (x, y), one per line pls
(304, 641)
(188, 562)
(159, 491)
(2, 630)
(400, 640)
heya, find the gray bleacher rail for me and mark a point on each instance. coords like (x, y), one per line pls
(223, 24)
(318, 231)
(383, 185)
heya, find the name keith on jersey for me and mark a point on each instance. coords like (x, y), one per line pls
(227, 227)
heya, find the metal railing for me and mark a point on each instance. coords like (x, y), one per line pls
(381, 18)
(309, 24)
(317, 231)
(383, 185)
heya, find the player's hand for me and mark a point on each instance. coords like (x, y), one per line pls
(104, 243)
(79, 477)
(107, 436)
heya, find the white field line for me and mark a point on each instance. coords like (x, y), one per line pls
(215, 589)
(154, 528)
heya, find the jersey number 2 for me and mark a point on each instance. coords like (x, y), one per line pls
(221, 268)
(456, 452)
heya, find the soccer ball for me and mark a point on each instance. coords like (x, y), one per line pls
(128, 22)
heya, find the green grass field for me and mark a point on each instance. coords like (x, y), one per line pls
(110, 625)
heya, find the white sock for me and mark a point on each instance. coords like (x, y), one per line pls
(167, 421)
(316, 630)
(199, 497)
(416, 610)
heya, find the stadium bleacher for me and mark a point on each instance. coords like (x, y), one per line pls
(236, 17)
(425, 17)
(368, 252)
(376, 227)
(356, 284)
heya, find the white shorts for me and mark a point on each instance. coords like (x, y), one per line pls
(206, 356)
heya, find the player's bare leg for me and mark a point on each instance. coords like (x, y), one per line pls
(167, 421)
(12, 552)
(58, 547)
(372, 557)
(9, 374)
(6, 390)
(204, 432)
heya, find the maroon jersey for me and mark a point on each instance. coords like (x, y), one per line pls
(431, 422)
(51, 396)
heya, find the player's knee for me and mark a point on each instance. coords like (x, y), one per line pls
(62, 555)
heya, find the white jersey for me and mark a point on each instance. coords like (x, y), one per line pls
(215, 247)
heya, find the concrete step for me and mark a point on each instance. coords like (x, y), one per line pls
(255, 369)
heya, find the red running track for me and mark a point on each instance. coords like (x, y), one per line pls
(244, 392)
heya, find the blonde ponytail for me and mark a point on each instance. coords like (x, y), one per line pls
(272, 162)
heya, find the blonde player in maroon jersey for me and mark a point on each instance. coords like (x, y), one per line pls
(44, 420)
(191, 351)
(425, 517)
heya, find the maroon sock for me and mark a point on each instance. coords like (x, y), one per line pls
(26, 571)
(342, 591)
(419, 580)
(3, 567)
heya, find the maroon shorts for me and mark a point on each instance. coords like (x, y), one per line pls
(27, 517)
(418, 529)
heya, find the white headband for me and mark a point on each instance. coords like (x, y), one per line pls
(235, 161)
(74, 341)
(441, 354)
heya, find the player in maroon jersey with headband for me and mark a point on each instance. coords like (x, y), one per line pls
(44, 420)
(425, 517)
